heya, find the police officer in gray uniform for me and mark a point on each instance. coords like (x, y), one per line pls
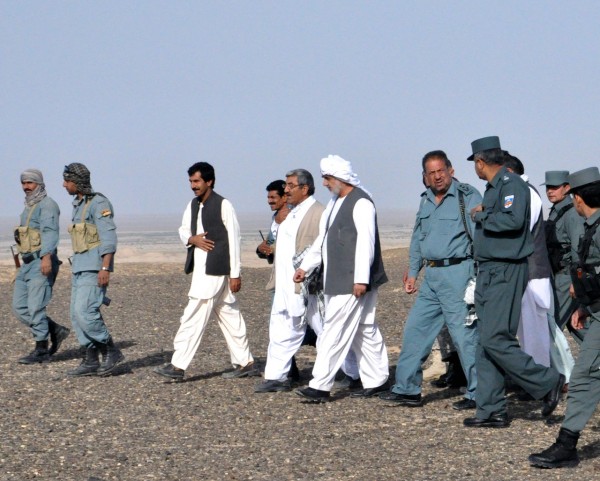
(502, 243)
(441, 243)
(37, 241)
(564, 229)
(94, 238)
(584, 387)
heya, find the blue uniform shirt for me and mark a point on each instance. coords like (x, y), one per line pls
(502, 230)
(99, 212)
(439, 232)
(45, 219)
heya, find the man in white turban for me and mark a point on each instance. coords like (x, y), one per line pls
(348, 246)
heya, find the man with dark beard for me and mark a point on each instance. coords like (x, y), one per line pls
(94, 238)
(37, 241)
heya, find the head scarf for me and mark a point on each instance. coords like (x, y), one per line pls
(341, 169)
(80, 176)
(34, 175)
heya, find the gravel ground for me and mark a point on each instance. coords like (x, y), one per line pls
(134, 426)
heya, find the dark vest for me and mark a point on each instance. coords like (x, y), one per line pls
(217, 260)
(556, 250)
(341, 250)
(538, 262)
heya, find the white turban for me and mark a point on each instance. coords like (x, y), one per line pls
(341, 169)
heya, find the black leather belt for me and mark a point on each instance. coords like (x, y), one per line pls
(30, 257)
(452, 261)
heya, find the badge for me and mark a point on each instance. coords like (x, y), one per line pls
(508, 201)
(106, 212)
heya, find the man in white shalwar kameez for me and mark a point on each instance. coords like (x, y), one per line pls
(210, 231)
(536, 334)
(290, 311)
(348, 245)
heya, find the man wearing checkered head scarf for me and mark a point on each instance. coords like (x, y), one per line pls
(37, 241)
(94, 238)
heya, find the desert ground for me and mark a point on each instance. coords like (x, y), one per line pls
(135, 426)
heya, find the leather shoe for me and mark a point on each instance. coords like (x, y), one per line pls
(348, 383)
(372, 391)
(551, 399)
(496, 420)
(313, 395)
(464, 404)
(273, 385)
(170, 371)
(409, 400)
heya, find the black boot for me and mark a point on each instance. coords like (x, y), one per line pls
(294, 373)
(58, 334)
(39, 354)
(454, 377)
(89, 366)
(562, 454)
(111, 356)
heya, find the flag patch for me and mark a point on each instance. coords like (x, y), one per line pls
(508, 201)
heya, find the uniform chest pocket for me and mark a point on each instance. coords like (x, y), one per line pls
(84, 237)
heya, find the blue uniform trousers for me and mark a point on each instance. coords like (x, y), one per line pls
(498, 295)
(564, 304)
(32, 293)
(439, 301)
(584, 386)
(86, 300)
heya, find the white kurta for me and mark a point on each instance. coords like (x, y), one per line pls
(533, 332)
(286, 327)
(349, 322)
(210, 296)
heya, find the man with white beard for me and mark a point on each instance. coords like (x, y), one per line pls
(348, 247)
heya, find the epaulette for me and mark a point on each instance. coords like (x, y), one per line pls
(465, 188)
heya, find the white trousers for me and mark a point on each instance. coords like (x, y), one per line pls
(285, 338)
(534, 333)
(350, 325)
(194, 320)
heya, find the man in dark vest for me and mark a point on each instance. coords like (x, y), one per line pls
(211, 233)
(584, 388)
(348, 246)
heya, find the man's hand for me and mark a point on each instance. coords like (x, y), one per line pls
(578, 318)
(265, 248)
(201, 242)
(409, 284)
(299, 276)
(282, 214)
(46, 265)
(235, 284)
(474, 211)
(103, 278)
(359, 290)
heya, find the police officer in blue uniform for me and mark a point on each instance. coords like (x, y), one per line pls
(37, 242)
(502, 243)
(564, 229)
(94, 238)
(584, 387)
(441, 243)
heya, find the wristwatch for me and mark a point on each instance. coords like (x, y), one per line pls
(105, 268)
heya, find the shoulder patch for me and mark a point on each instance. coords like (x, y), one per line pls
(508, 201)
(105, 212)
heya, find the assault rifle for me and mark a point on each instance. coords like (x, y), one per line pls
(15, 257)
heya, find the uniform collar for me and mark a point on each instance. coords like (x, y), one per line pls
(593, 218)
(451, 191)
(499, 175)
(566, 201)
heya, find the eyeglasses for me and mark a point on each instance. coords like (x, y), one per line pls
(293, 186)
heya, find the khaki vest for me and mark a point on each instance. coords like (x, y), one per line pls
(28, 239)
(84, 236)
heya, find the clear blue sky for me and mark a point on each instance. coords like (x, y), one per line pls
(140, 90)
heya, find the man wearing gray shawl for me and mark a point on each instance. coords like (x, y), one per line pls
(348, 245)
(94, 238)
(37, 241)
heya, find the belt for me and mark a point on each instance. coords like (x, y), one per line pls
(452, 261)
(29, 257)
